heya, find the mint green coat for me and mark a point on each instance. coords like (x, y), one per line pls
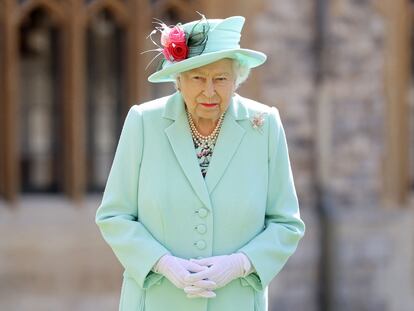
(156, 201)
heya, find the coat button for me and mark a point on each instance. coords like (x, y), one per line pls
(201, 244)
(202, 212)
(201, 228)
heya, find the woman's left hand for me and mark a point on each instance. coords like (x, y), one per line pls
(221, 269)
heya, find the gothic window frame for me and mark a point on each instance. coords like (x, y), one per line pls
(72, 17)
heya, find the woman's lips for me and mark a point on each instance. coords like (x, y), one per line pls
(208, 105)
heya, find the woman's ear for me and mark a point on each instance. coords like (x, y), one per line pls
(178, 83)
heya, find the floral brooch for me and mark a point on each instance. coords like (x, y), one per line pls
(257, 120)
(176, 44)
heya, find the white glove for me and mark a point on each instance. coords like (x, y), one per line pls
(221, 270)
(176, 269)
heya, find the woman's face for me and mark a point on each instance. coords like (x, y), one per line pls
(207, 90)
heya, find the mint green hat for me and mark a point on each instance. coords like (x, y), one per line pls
(206, 41)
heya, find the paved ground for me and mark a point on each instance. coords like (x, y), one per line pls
(52, 257)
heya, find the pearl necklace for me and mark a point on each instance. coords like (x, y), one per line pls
(201, 140)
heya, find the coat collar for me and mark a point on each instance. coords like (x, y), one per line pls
(229, 139)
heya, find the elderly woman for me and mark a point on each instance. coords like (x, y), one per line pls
(200, 206)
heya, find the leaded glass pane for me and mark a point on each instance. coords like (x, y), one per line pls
(105, 95)
(40, 109)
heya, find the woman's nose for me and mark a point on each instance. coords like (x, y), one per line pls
(209, 89)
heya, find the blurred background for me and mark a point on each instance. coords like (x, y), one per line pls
(340, 72)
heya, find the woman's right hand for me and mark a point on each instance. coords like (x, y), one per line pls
(176, 269)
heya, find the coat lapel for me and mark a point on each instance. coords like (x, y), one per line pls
(179, 135)
(229, 139)
(231, 134)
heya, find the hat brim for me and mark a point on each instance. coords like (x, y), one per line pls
(248, 57)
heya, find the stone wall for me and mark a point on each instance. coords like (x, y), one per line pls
(285, 31)
(328, 84)
(368, 251)
(354, 80)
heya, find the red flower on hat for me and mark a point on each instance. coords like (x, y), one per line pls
(174, 42)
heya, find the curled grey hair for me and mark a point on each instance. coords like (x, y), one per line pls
(241, 71)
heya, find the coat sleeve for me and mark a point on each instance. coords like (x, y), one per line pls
(117, 215)
(271, 248)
